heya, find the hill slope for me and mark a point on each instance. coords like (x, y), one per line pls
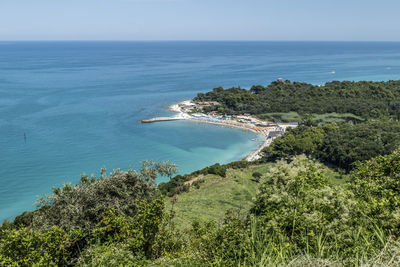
(216, 194)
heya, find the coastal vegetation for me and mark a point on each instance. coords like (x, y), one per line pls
(180, 183)
(325, 193)
(351, 100)
(339, 145)
(295, 213)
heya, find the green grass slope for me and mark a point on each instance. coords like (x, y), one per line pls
(217, 195)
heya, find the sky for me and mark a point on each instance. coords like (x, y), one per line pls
(301, 20)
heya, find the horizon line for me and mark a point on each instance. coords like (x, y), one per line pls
(233, 40)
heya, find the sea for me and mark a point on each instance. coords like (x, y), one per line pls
(71, 108)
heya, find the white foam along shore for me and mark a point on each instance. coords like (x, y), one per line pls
(264, 130)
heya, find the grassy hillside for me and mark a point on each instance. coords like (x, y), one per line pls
(217, 194)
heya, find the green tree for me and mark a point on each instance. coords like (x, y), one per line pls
(82, 205)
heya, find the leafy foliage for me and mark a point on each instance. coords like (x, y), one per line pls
(297, 218)
(377, 183)
(297, 141)
(365, 99)
(297, 202)
(25, 247)
(120, 207)
(79, 206)
(339, 145)
(297, 212)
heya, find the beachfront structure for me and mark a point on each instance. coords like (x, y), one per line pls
(186, 106)
(208, 104)
(274, 134)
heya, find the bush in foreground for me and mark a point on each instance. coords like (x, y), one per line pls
(298, 218)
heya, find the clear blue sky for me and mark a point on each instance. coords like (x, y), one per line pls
(375, 20)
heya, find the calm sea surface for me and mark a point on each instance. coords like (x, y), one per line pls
(78, 103)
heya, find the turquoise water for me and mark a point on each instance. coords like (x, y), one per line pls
(79, 102)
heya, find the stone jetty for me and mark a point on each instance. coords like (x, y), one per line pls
(161, 119)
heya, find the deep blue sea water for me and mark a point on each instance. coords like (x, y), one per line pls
(79, 102)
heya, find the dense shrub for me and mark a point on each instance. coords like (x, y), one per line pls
(348, 143)
(298, 218)
(114, 254)
(238, 164)
(80, 206)
(301, 140)
(120, 207)
(170, 188)
(338, 145)
(217, 169)
(229, 244)
(377, 183)
(256, 176)
(25, 247)
(297, 202)
(145, 236)
(197, 183)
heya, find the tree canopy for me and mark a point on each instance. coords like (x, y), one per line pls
(340, 145)
(366, 98)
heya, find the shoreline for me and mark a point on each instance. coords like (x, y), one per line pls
(263, 132)
(267, 130)
(255, 154)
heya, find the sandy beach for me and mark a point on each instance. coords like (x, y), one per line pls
(261, 131)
